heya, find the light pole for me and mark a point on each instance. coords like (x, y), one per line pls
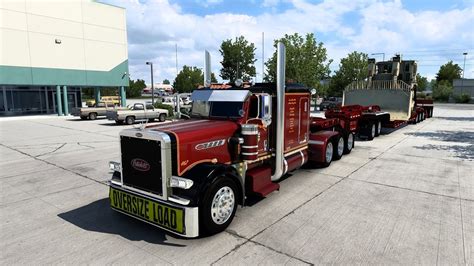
(464, 67)
(152, 84)
(383, 54)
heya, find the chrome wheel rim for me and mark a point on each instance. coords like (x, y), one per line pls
(222, 205)
(373, 130)
(379, 129)
(340, 147)
(350, 141)
(329, 151)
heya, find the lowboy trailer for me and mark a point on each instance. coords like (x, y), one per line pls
(386, 99)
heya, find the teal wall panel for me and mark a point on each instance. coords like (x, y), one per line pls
(11, 75)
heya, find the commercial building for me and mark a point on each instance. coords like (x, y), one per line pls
(463, 86)
(50, 50)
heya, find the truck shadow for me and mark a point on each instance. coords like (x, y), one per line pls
(98, 217)
(457, 119)
(465, 151)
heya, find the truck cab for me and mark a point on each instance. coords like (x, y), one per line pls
(188, 177)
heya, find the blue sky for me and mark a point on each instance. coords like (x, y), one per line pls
(432, 32)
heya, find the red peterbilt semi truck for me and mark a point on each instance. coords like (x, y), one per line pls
(386, 99)
(189, 177)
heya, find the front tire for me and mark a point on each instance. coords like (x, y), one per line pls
(92, 116)
(162, 117)
(130, 120)
(218, 206)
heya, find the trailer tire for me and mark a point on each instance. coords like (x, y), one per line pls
(378, 128)
(371, 131)
(130, 120)
(162, 117)
(119, 122)
(218, 206)
(339, 145)
(93, 116)
(349, 143)
(83, 117)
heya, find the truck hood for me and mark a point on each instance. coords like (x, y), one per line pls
(199, 141)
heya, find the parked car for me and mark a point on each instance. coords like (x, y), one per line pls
(99, 109)
(330, 103)
(138, 112)
(171, 100)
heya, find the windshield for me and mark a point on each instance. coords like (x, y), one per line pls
(217, 109)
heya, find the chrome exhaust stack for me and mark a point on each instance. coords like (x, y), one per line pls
(207, 69)
(281, 58)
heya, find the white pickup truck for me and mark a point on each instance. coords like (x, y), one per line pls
(137, 112)
(99, 109)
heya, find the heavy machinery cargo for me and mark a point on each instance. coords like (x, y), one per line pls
(386, 99)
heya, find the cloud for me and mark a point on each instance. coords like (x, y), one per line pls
(371, 26)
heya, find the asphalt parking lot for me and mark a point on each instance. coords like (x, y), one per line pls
(405, 198)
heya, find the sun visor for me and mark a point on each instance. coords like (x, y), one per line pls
(220, 95)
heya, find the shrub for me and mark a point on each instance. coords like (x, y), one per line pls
(442, 91)
(165, 106)
(463, 98)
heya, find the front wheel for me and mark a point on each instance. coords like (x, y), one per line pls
(130, 120)
(92, 116)
(162, 117)
(218, 206)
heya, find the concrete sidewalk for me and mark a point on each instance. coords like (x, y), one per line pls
(405, 198)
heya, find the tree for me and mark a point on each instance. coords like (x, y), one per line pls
(135, 88)
(353, 67)
(238, 59)
(449, 71)
(421, 83)
(166, 81)
(188, 79)
(305, 60)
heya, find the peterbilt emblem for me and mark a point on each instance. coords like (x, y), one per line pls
(210, 144)
(140, 165)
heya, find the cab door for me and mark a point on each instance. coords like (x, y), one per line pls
(259, 111)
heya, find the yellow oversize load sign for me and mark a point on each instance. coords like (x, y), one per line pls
(148, 210)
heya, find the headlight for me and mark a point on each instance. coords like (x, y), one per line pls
(180, 182)
(114, 166)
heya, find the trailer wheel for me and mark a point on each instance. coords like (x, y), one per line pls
(162, 117)
(371, 131)
(218, 206)
(83, 117)
(119, 122)
(130, 120)
(423, 116)
(378, 128)
(339, 148)
(349, 143)
(93, 116)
